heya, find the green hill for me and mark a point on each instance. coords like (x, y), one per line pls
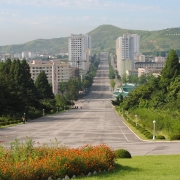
(103, 39)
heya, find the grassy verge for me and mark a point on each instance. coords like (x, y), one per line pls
(143, 168)
(140, 135)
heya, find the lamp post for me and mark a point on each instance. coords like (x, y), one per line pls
(136, 119)
(57, 109)
(43, 112)
(154, 134)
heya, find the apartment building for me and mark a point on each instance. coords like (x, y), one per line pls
(136, 39)
(159, 59)
(55, 70)
(80, 51)
(125, 53)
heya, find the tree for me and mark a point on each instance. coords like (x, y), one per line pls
(62, 87)
(171, 69)
(112, 83)
(73, 89)
(44, 89)
(124, 78)
(133, 79)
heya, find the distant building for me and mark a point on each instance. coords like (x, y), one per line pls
(79, 51)
(55, 70)
(124, 90)
(5, 56)
(146, 71)
(136, 39)
(159, 59)
(25, 54)
(139, 57)
(131, 72)
(125, 53)
(150, 65)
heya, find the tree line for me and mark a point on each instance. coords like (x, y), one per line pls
(159, 98)
(19, 93)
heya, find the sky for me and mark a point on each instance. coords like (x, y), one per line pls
(22, 21)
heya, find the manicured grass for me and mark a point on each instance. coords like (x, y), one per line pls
(165, 167)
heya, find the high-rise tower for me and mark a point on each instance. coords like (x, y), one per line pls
(80, 51)
(125, 53)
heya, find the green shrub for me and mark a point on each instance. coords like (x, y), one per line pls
(160, 137)
(175, 137)
(122, 153)
(149, 136)
(133, 124)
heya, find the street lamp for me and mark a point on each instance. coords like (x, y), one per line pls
(154, 135)
(136, 119)
(43, 112)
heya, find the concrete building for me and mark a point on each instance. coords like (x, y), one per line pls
(124, 53)
(139, 57)
(25, 54)
(136, 39)
(159, 59)
(55, 70)
(131, 72)
(146, 71)
(150, 65)
(79, 52)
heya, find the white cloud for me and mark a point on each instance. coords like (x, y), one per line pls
(82, 4)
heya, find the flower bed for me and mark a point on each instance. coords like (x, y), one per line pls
(29, 162)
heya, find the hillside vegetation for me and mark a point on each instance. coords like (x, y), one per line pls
(158, 99)
(103, 39)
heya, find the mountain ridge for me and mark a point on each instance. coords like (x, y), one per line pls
(103, 39)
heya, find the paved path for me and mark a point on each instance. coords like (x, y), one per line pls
(95, 123)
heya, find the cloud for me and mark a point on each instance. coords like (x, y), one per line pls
(82, 4)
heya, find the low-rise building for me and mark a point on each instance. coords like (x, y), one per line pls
(159, 59)
(146, 71)
(151, 65)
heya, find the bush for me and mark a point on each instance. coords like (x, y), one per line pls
(160, 137)
(175, 137)
(122, 153)
(149, 136)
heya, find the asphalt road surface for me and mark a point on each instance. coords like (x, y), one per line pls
(95, 123)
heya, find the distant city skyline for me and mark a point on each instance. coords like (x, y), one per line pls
(23, 20)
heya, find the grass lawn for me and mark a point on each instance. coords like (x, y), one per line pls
(164, 167)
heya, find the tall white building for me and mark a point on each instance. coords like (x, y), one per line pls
(136, 38)
(79, 51)
(125, 53)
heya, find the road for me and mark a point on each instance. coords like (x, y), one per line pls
(95, 123)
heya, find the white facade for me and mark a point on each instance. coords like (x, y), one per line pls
(55, 70)
(138, 57)
(124, 51)
(136, 38)
(79, 51)
(159, 59)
